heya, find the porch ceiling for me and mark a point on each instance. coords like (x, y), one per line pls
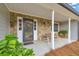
(30, 9)
(60, 9)
(60, 18)
(43, 10)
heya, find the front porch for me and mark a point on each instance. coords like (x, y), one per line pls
(41, 33)
(43, 37)
(65, 30)
(61, 30)
(44, 40)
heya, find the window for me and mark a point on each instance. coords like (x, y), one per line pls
(55, 27)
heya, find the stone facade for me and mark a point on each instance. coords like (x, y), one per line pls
(13, 23)
(44, 25)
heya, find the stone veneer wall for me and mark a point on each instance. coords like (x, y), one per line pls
(44, 25)
(13, 23)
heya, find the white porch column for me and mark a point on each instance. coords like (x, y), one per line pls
(52, 32)
(69, 32)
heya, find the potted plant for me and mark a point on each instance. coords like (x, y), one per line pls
(62, 33)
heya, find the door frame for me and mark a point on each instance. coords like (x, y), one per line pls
(20, 32)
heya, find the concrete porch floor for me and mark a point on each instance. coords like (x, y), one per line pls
(60, 42)
(40, 47)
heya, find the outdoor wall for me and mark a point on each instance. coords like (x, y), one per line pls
(4, 21)
(44, 27)
(74, 30)
(63, 26)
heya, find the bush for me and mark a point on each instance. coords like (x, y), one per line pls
(10, 46)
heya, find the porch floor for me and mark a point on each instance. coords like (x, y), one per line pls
(39, 47)
(60, 42)
(68, 50)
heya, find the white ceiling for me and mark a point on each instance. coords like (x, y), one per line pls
(60, 9)
(30, 9)
(35, 10)
(60, 18)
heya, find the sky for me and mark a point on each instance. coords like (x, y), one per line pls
(75, 6)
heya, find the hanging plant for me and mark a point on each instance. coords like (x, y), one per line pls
(62, 33)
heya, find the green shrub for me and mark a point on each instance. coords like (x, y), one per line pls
(10, 46)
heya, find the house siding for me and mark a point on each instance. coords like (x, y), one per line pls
(4, 21)
(74, 30)
(64, 26)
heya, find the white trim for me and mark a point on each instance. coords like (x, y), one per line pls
(20, 32)
(52, 32)
(9, 26)
(35, 36)
(69, 32)
(28, 14)
(73, 41)
(6, 6)
(58, 26)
